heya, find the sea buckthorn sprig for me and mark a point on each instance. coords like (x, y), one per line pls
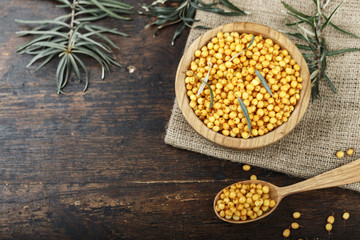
(70, 37)
(242, 202)
(170, 12)
(253, 93)
(310, 30)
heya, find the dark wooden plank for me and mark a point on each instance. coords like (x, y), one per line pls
(94, 165)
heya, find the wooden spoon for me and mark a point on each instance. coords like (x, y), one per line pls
(346, 174)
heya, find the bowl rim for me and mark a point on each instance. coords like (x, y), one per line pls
(258, 141)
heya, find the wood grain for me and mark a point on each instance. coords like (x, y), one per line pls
(239, 143)
(94, 165)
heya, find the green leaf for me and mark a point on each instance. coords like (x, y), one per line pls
(93, 18)
(120, 4)
(102, 36)
(331, 15)
(303, 47)
(47, 21)
(308, 21)
(341, 51)
(294, 23)
(50, 45)
(63, 35)
(263, 82)
(216, 10)
(333, 88)
(294, 11)
(343, 31)
(205, 80)
(245, 112)
(91, 54)
(107, 30)
(177, 33)
(231, 6)
(40, 38)
(60, 72)
(42, 54)
(112, 14)
(44, 62)
(90, 41)
(211, 95)
(85, 70)
(75, 67)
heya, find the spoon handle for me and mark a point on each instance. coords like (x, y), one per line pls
(346, 174)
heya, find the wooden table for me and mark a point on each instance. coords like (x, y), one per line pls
(94, 165)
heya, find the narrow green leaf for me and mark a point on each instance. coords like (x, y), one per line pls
(303, 47)
(47, 21)
(91, 54)
(60, 71)
(44, 62)
(107, 30)
(85, 70)
(120, 4)
(51, 45)
(245, 112)
(331, 15)
(42, 54)
(333, 88)
(40, 38)
(295, 11)
(177, 33)
(231, 6)
(74, 65)
(112, 14)
(90, 41)
(342, 51)
(211, 95)
(294, 23)
(92, 18)
(263, 82)
(202, 27)
(343, 31)
(67, 74)
(102, 36)
(63, 35)
(205, 80)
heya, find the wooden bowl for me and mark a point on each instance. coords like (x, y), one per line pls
(254, 142)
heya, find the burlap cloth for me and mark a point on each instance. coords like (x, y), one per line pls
(330, 124)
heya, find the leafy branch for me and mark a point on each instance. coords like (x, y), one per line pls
(182, 12)
(71, 37)
(310, 29)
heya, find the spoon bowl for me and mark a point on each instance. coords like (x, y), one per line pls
(346, 174)
(274, 193)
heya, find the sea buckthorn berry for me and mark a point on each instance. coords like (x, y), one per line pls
(328, 227)
(253, 177)
(295, 225)
(331, 219)
(246, 167)
(340, 154)
(350, 151)
(296, 215)
(286, 233)
(346, 215)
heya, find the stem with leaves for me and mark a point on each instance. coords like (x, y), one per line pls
(310, 29)
(170, 12)
(71, 37)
